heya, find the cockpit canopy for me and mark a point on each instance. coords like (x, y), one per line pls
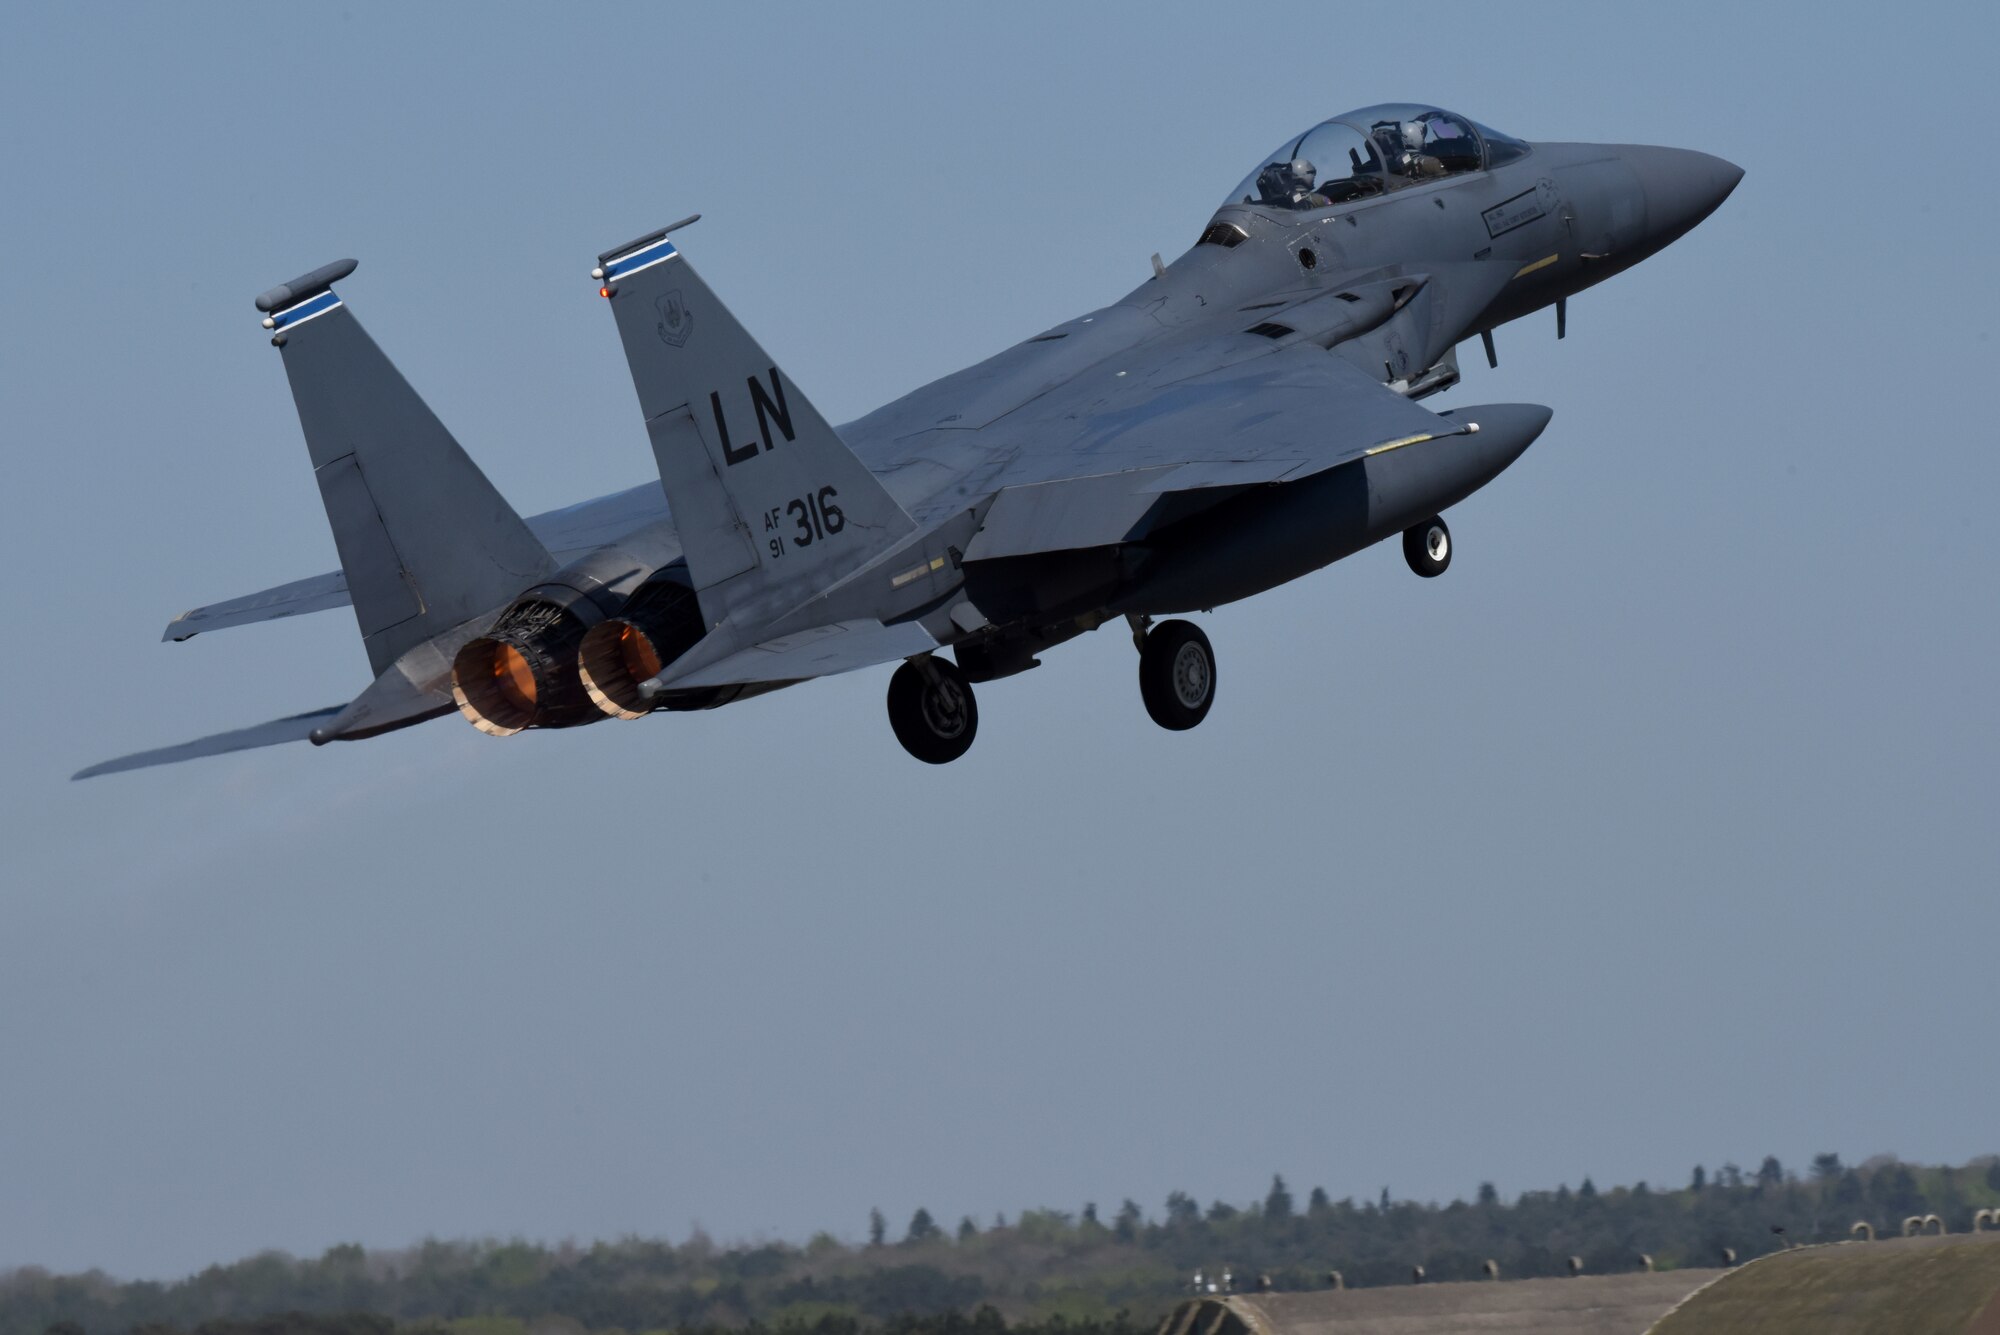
(1371, 152)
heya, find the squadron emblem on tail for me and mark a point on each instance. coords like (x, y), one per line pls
(676, 320)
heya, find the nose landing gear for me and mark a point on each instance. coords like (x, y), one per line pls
(932, 709)
(1427, 547)
(1176, 673)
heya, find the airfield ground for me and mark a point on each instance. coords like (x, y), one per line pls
(1586, 1305)
(1906, 1286)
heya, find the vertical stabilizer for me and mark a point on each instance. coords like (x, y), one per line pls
(425, 541)
(770, 504)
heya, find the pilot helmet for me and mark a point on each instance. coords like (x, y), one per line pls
(1304, 172)
(1413, 136)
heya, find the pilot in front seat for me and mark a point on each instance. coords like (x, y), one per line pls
(1402, 145)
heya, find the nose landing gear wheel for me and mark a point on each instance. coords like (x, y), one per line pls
(1177, 675)
(932, 710)
(1427, 547)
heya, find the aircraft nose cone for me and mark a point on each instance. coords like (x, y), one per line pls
(1681, 186)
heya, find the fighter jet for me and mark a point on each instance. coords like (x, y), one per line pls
(1247, 415)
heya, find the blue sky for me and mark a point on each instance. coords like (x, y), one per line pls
(1660, 831)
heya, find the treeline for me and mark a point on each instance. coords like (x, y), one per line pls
(1087, 1272)
(985, 1321)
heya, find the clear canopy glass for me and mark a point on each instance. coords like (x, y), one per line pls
(1370, 152)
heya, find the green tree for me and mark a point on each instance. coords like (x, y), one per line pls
(1318, 1203)
(1181, 1209)
(1896, 1189)
(1488, 1194)
(1770, 1173)
(1826, 1167)
(878, 1228)
(967, 1230)
(1699, 1181)
(922, 1227)
(1278, 1201)
(1993, 1175)
(1588, 1191)
(1126, 1225)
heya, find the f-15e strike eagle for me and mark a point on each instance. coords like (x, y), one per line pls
(1247, 415)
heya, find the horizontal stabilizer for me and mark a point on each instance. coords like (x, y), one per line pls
(568, 533)
(315, 594)
(823, 651)
(296, 728)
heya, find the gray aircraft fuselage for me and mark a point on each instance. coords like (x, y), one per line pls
(1484, 247)
(1246, 415)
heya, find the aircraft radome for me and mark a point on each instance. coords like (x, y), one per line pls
(1247, 415)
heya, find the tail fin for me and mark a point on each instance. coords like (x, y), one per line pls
(424, 539)
(769, 503)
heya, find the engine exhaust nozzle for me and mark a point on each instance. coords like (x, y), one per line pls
(661, 622)
(523, 673)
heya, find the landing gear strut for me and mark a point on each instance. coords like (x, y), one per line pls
(1176, 673)
(1427, 547)
(932, 709)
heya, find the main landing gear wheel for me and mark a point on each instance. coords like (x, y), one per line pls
(932, 710)
(1427, 547)
(1177, 675)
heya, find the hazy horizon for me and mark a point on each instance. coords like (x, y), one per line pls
(896, 1227)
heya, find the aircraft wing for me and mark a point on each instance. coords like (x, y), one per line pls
(822, 651)
(1094, 458)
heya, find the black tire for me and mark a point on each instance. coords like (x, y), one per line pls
(1427, 547)
(935, 719)
(1177, 675)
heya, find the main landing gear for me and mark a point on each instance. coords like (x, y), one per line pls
(1427, 547)
(1176, 672)
(932, 709)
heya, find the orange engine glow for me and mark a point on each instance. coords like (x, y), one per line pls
(514, 678)
(495, 688)
(613, 659)
(641, 659)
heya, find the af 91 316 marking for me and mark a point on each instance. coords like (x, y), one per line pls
(816, 515)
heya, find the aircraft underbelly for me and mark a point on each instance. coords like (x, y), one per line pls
(1267, 536)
